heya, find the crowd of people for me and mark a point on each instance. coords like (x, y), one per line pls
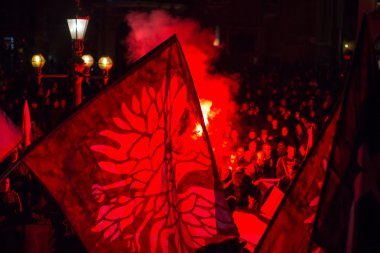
(280, 114)
(279, 117)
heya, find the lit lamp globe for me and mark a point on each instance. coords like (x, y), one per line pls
(88, 61)
(105, 63)
(38, 61)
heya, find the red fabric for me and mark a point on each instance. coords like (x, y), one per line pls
(10, 136)
(128, 169)
(290, 228)
(26, 125)
(358, 129)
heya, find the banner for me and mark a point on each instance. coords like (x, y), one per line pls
(129, 169)
(355, 150)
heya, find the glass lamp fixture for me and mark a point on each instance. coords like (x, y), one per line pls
(105, 63)
(38, 61)
(78, 27)
(88, 60)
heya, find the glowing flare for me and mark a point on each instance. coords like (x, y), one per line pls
(206, 112)
(150, 29)
(198, 130)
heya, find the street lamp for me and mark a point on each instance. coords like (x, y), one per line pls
(105, 64)
(38, 61)
(88, 61)
(78, 27)
(81, 65)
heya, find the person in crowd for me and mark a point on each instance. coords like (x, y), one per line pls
(285, 181)
(40, 217)
(264, 138)
(242, 185)
(275, 130)
(63, 106)
(252, 136)
(250, 153)
(285, 137)
(223, 152)
(11, 229)
(226, 177)
(300, 134)
(281, 149)
(21, 178)
(55, 114)
(37, 116)
(270, 161)
(235, 139)
(240, 156)
(53, 93)
(256, 172)
(11, 200)
(268, 123)
(284, 163)
(271, 107)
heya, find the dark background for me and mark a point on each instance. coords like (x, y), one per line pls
(252, 31)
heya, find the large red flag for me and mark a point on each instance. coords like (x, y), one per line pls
(26, 125)
(355, 152)
(290, 228)
(130, 170)
(10, 136)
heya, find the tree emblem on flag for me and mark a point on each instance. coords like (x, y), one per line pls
(156, 152)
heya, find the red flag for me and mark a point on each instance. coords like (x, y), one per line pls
(358, 135)
(290, 228)
(130, 171)
(10, 136)
(26, 125)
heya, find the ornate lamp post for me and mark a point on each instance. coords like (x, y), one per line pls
(78, 27)
(81, 65)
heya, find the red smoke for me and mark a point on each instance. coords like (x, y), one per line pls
(150, 29)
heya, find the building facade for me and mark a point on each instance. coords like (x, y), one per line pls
(251, 31)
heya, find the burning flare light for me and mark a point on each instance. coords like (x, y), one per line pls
(206, 112)
(150, 29)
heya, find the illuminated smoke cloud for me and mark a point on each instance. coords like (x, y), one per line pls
(150, 29)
